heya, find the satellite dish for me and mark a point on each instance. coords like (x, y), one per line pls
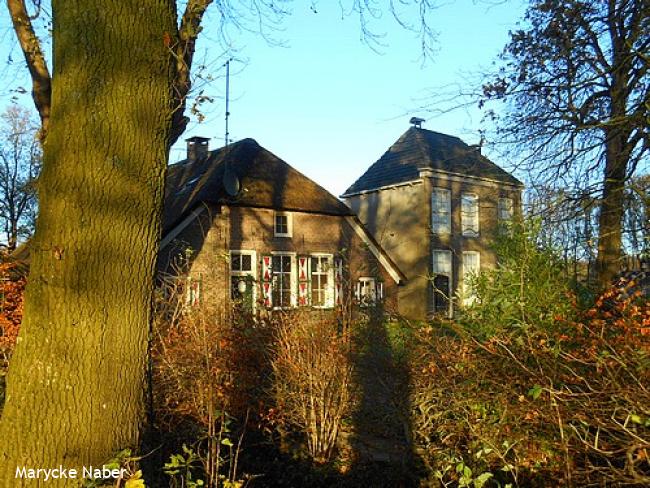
(231, 182)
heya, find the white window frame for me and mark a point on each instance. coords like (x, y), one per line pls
(329, 290)
(438, 227)
(467, 227)
(293, 280)
(193, 290)
(449, 274)
(469, 296)
(370, 282)
(252, 272)
(289, 217)
(506, 204)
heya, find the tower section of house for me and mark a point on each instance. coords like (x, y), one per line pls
(435, 205)
(243, 227)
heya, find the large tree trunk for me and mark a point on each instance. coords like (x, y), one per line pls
(76, 382)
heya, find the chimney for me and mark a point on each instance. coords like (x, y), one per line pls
(197, 147)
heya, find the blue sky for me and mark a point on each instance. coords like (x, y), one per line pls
(326, 102)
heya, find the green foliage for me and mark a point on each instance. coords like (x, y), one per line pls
(183, 469)
(526, 289)
(131, 476)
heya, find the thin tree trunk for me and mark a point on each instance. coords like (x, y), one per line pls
(76, 383)
(617, 154)
(610, 240)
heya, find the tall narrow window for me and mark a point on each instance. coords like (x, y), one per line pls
(506, 207)
(282, 224)
(469, 214)
(440, 211)
(242, 279)
(441, 280)
(321, 281)
(471, 269)
(282, 269)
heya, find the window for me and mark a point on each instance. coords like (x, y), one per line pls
(321, 281)
(282, 281)
(366, 292)
(471, 268)
(242, 279)
(440, 211)
(282, 224)
(192, 291)
(441, 270)
(469, 214)
(506, 207)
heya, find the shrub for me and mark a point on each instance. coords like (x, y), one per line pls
(206, 367)
(565, 404)
(312, 372)
(527, 287)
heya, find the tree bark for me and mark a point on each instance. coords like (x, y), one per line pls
(610, 220)
(76, 383)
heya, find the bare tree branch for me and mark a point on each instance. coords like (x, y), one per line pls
(31, 47)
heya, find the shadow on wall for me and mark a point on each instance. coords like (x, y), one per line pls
(381, 435)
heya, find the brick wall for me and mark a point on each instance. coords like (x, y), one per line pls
(400, 219)
(219, 230)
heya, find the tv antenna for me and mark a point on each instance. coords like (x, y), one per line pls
(227, 65)
(230, 180)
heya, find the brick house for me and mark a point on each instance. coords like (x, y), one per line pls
(244, 227)
(435, 205)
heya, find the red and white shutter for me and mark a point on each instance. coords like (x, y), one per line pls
(303, 281)
(338, 281)
(379, 291)
(267, 279)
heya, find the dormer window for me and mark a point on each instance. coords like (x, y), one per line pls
(282, 224)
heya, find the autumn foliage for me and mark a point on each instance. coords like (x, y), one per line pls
(567, 405)
(12, 287)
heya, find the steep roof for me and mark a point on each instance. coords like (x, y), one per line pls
(266, 181)
(419, 149)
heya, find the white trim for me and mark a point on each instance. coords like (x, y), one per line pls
(373, 248)
(385, 187)
(447, 193)
(470, 232)
(501, 206)
(460, 178)
(293, 277)
(171, 235)
(289, 217)
(450, 275)
(252, 273)
(329, 291)
(370, 281)
(447, 175)
(467, 298)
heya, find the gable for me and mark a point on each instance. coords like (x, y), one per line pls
(266, 181)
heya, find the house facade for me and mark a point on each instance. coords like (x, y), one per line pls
(245, 228)
(435, 205)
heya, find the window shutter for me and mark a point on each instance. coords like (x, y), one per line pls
(338, 281)
(303, 281)
(379, 292)
(267, 277)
